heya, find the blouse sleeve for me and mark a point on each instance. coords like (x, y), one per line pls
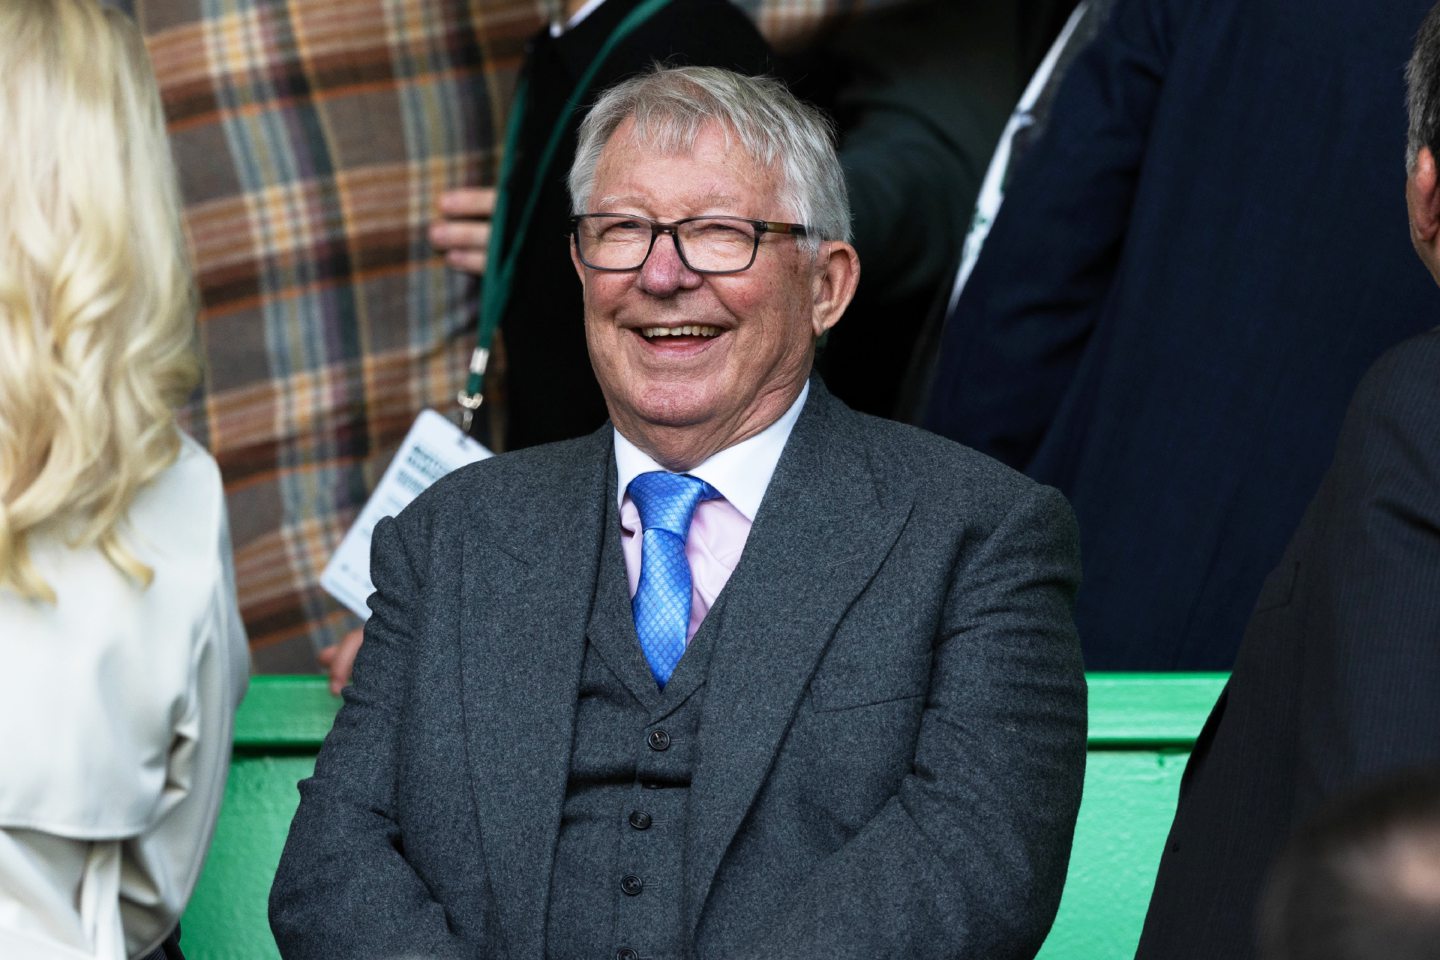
(159, 867)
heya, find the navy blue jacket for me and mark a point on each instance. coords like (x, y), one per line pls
(1191, 271)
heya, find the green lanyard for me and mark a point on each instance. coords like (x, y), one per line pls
(495, 288)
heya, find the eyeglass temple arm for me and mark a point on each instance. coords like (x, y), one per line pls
(774, 226)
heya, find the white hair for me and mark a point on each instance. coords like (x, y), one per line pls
(670, 107)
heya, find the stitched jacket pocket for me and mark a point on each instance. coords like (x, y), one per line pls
(849, 687)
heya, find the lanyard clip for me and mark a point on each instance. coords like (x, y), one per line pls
(471, 398)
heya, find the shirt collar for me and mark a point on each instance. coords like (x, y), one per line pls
(741, 473)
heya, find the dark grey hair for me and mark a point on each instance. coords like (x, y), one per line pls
(1422, 80)
(672, 105)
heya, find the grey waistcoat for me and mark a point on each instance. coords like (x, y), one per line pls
(616, 889)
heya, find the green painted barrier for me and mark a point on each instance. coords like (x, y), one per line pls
(1141, 729)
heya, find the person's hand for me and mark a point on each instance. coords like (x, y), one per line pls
(339, 659)
(462, 231)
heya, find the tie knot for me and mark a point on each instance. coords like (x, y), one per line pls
(666, 501)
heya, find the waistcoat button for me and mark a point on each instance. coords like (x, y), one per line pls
(632, 885)
(640, 820)
(627, 954)
(659, 740)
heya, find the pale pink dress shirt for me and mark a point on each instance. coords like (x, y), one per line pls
(720, 527)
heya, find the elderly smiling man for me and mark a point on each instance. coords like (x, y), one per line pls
(745, 675)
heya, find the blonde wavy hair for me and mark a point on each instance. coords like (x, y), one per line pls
(97, 305)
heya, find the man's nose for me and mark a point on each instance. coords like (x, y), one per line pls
(664, 273)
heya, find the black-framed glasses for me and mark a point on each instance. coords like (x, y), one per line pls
(623, 241)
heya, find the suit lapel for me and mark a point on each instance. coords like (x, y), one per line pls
(821, 533)
(529, 571)
(612, 624)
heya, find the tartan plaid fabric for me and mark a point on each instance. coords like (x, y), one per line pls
(313, 138)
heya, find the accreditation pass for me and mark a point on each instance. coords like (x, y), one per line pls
(433, 447)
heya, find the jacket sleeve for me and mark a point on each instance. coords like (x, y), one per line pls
(1015, 337)
(343, 888)
(967, 859)
(1372, 590)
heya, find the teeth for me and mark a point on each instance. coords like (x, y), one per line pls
(694, 330)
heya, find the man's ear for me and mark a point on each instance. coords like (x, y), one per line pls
(837, 272)
(1422, 198)
(575, 259)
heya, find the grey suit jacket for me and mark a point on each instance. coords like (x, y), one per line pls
(892, 739)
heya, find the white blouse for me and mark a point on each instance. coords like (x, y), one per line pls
(116, 708)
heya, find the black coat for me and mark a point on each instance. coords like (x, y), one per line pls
(1338, 679)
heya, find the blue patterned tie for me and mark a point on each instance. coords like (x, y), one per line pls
(662, 600)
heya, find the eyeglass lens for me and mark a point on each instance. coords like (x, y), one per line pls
(706, 244)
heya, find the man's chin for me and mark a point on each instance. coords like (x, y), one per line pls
(671, 428)
(676, 417)
(677, 405)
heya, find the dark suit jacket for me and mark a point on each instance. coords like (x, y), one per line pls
(1191, 270)
(1338, 679)
(892, 739)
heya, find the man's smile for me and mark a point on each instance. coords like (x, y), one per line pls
(689, 330)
